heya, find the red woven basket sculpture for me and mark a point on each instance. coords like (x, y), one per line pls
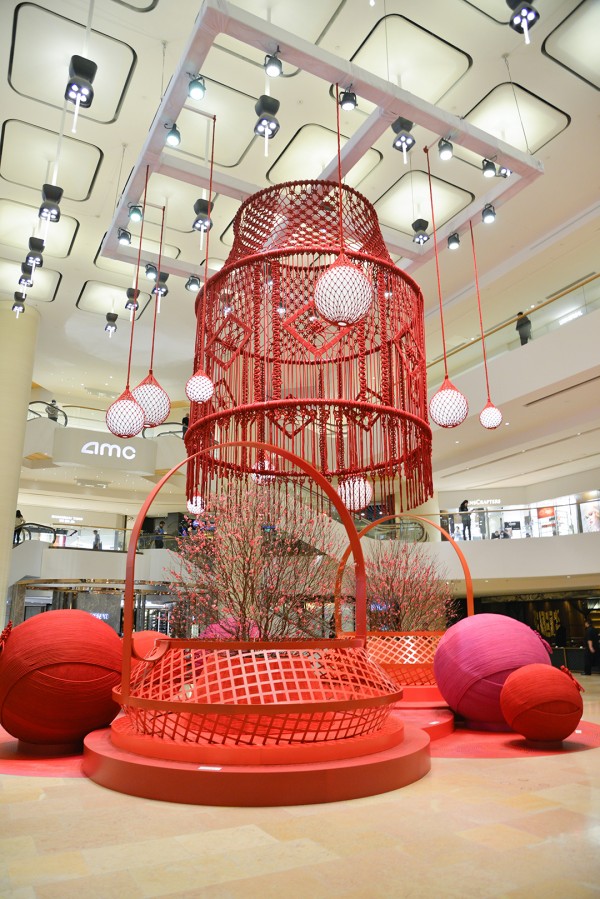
(207, 693)
(406, 657)
(351, 399)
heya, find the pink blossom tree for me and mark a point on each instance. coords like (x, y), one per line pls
(261, 570)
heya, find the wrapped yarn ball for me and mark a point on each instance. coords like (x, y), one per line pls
(474, 658)
(541, 702)
(57, 671)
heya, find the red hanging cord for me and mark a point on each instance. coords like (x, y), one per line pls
(157, 288)
(437, 262)
(487, 382)
(210, 187)
(137, 276)
(339, 167)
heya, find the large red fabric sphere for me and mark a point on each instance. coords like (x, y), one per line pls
(474, 658)
(541, 702)
(57, 671)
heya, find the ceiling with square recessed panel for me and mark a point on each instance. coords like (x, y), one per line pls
(455, 70)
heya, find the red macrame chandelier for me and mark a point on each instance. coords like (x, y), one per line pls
(350, 399)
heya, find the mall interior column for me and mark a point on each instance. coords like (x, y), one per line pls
(17, 350)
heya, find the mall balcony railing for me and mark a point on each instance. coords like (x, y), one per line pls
(41, 409)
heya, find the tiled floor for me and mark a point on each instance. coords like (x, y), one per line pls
(472, 828)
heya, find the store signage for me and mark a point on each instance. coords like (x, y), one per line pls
(94, 448)
(485, 502)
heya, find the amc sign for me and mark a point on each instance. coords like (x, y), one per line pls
(75, 446)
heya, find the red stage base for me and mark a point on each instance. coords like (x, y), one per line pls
(321, 780)
(435, 721)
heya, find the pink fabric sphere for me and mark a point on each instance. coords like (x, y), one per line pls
(57, 671)
(541, 702)
(474, 658)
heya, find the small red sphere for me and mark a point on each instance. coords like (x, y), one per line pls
(57, 671)
(541, 703)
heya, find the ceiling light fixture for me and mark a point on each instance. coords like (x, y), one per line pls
(203, 221)
(272, 65)
(18, 306)
(348, 100)
(267, 126)
(445, 149)
(504, 172)
(404, 141)
(488, 168)
(161, 289)
(151, 271)
(135, 214)
(132, 304)
(454, 241)
(34, 256)
(79, 90)
(51, 197)
(111, 323)
(421, 236)
(197, 88)
(124, 237)
(488, 214)
(26, 279)
(173, 138)
(523, 17)
(192, 283)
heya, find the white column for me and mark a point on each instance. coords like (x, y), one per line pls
(17, 350)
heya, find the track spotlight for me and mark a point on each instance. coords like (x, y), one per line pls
(34, 256)
(445, 149)
(132, 304)
(421, 236)
(51, 197)
(161, 288)
(173, 138)
(348, 101)
(488, 168)
(454, 241)
(203, 221)
(404, 140)
(523, 17)
(197, 88)
(272, 65)
(151, 271)
(266, 109)
(488, 214)
(79, 90)
(192, 283)
(18, 306)
(135, 214)
(111, 323)
(124, 237)
(26, 279)
(504, 172)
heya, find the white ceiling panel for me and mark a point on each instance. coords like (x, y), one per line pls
(411, 57)
(28, 155)
(310, 150)
(99, 297)
(43, 45)
(574, 44)
(19, 222)
(408, 199)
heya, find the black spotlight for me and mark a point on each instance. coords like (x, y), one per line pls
(151, 271)
(192, 283)
(272, 65)
(161, 289)
(454, 241)
(488, 168)
(19, 303)
(173, 138)
(348, 101)
(124, 237)
(266, 109)
(34, 256)
(203, 221)
(135, 214)
(403, 140)
(82, 72)
(111, 323)
(51, 197)
(132, 299)
(504, 171)
(523, 17)
(421, 236)
(26, 279)
(197, 88)
(488, 214)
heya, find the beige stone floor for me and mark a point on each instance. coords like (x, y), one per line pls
(472, 828)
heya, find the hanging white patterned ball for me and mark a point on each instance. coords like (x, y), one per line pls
(448, 407)
(125, 417)
(195, 505)
(355, 493)
(490, 416)
(343, 293)
(199, 388)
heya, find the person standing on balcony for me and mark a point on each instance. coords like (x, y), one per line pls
(52, 411)
(159, 541)
(97, 544)
(465, 516)
(19, 522)
(524, 328)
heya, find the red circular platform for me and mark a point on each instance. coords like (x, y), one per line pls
(257, 784)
